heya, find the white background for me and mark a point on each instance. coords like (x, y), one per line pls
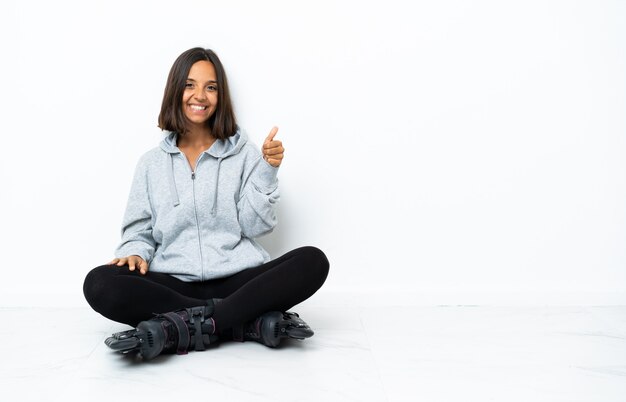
(453, 152)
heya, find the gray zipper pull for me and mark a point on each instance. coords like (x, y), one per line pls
(193, 175)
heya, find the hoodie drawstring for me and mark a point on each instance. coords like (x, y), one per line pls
(217, 179)
(172, 181)
(174, 191)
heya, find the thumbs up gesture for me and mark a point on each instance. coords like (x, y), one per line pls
(273, 149)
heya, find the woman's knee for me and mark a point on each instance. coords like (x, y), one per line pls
(316, 262)
(95, 285)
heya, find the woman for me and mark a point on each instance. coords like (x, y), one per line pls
(188, 271)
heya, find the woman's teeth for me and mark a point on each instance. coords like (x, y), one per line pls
(196, 107)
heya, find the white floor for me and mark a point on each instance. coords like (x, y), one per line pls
(358, 353)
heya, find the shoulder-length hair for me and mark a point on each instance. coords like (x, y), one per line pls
(222, 123)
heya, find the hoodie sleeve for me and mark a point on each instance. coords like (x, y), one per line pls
(259, 198)
(137, 223)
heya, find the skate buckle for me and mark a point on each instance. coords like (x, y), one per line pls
(196, 313)
(196, 318)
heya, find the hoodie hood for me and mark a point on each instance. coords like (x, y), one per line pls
(219, 150)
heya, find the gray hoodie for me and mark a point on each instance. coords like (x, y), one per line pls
(200, 225)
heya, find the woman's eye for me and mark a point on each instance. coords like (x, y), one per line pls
(188, 85)
(211, 88)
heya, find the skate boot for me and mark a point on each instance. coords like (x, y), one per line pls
(173, 332)
(272, 327)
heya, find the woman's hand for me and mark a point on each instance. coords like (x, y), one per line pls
(133, 261)
(273, 150)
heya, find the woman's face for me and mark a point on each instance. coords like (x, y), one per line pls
(200, 95)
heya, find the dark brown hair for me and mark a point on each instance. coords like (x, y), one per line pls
(222, 123)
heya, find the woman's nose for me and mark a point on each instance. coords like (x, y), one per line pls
(200, 95)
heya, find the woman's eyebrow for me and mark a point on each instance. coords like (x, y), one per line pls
(208, 82)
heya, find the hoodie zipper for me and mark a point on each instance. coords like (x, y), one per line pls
(195, 212)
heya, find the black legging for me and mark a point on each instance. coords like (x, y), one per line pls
(129, 297)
